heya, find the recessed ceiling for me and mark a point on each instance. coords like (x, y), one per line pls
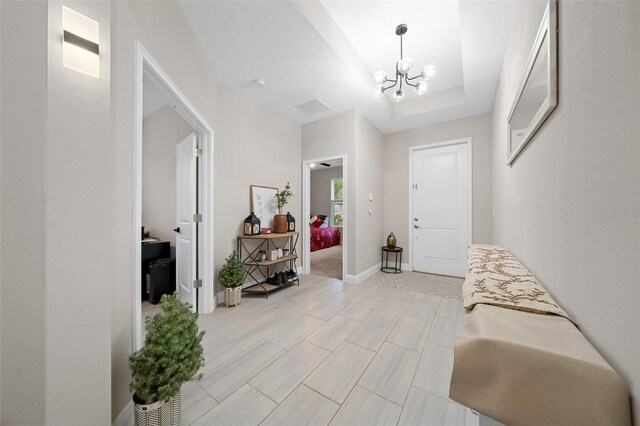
(307, 50)
(433, 37)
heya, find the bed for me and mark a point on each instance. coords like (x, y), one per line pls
(322, 235)
(322, 238)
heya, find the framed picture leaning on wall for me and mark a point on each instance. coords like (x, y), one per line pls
(263, 204)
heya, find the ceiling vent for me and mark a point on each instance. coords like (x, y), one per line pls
(313, 107)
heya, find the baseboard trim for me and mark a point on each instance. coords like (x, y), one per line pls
(125, 418)
(355, 279)
(406, 267)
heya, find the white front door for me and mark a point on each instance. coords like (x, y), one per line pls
(441, 210)
(186, 240)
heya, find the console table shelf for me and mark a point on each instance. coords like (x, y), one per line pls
(259, 271)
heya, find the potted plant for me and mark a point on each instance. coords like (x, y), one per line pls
(280, 224)
(231, 276)
(171, 356)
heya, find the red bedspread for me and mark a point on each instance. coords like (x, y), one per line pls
(322, 238)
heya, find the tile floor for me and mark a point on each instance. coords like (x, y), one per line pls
(329, 353)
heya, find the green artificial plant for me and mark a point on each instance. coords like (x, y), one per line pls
(232, 272)
(172, 353)
(283, 196)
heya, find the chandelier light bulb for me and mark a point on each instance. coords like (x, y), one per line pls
(398, 95)
(428, 72)
(377, 91)
(380, 77)
(421, 87)
(405, 65)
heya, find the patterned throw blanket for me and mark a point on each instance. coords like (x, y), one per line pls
(495, 277)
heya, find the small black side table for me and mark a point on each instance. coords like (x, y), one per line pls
(384, 263)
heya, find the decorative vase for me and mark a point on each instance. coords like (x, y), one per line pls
(280, 224)
(391, 241)
(161, 413)
(232, 296)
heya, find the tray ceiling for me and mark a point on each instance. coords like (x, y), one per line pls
(329, 51)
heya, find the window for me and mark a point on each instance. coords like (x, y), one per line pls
(337, 211)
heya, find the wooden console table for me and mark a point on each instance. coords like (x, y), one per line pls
(260, 271)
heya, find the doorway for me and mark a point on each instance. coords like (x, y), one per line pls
(325, 216)
(186, 232)
(440, 207)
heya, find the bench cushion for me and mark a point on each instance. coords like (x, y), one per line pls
(523, 368)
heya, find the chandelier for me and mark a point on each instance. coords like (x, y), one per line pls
(402, 74)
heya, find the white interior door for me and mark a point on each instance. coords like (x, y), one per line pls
(186, 198)
(441, 210)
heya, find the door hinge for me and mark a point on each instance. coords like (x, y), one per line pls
(415, 186)
(197, 152)
(197, 218)
(197, 283)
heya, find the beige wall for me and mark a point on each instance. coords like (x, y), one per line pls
(79, 222)
(57, 222)
(253, 146)
(328, 138)
(396, 174)
(161, 133)
(568, 206)
(369, 180)
(160, 27)
(350, 133)
(321, 189)
(23, 83)
(266, 146)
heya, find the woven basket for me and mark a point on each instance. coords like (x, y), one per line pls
(162, 413)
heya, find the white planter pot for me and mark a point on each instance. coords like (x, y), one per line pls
(161, 413)
(232, 296)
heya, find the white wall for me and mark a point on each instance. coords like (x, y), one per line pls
(369, 180)
(321, 189)
(396, 174)
(162, 131)
(568, 207)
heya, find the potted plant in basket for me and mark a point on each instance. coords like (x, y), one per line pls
(280, 224)
(171, 356)
(231, 276)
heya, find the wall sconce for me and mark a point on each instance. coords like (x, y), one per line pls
(80, 47)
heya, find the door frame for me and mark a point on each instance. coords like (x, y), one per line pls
(146, 66)
(306, 211)
(412, 151)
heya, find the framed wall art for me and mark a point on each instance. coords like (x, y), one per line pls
(263, 204)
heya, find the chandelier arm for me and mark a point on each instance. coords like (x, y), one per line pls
(395, 82)
(407, 81)
(413, 78)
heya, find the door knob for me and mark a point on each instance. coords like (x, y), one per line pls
(176, 230)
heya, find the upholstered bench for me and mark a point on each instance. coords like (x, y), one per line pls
(521, 360)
